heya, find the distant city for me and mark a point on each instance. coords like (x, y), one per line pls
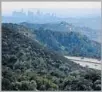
(41, 17)
(31, 14)
(21, 16)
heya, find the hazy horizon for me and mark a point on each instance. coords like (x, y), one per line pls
(60, 9)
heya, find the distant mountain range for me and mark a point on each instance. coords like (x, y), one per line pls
(93, 22)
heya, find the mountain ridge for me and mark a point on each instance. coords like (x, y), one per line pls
(65, 27)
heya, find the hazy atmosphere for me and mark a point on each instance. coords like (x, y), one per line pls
(51, 46)
(64, 9)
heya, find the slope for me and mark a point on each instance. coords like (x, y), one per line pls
(27, 65)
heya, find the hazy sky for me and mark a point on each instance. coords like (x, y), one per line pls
(60, 8)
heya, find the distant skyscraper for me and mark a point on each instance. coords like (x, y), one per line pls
(38, 12)
(19, 14)
(30, 14)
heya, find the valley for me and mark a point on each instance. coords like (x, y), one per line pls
(86, 62)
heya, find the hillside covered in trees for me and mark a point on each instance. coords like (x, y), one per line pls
(29, 65)
(67, 41)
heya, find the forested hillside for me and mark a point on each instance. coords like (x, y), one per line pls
(69, 43)
(28, 65)
(65, 41)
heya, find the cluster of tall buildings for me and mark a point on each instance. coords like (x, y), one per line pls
(31, 14)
